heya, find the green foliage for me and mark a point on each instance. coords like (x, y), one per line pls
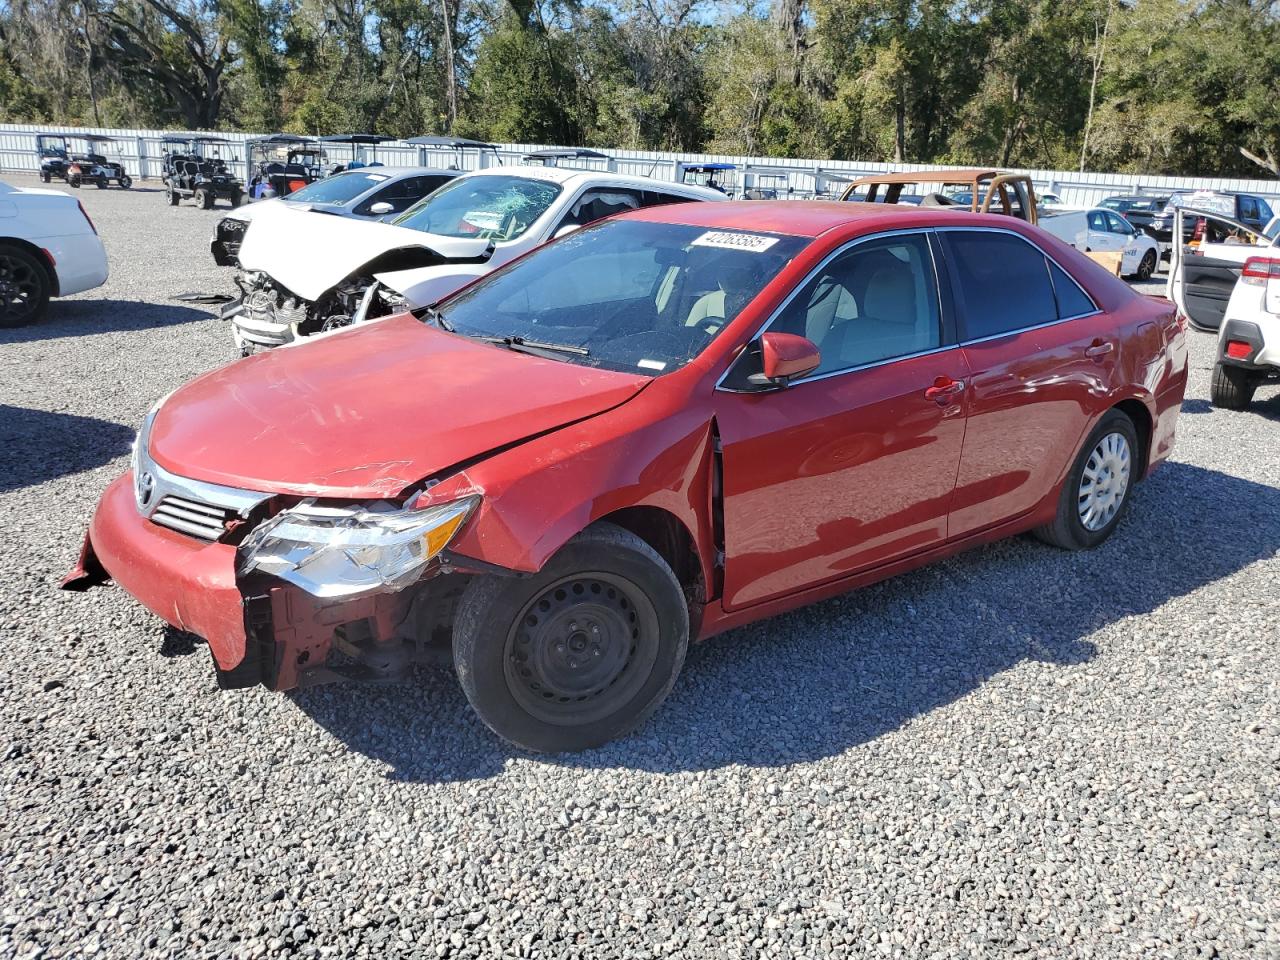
(1176, 86)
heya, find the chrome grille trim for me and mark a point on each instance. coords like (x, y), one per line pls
(193, 507)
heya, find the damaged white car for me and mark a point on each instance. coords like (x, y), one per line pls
(303, 274)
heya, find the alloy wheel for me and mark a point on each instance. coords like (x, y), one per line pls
(19, 290)
(1104, 482)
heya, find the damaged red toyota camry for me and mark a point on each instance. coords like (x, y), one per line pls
(659, 427)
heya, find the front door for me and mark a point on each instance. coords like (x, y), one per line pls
(853, 466)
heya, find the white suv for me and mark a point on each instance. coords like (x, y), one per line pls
(1230, 284)
(48, 248)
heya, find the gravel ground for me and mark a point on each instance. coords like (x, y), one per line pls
(1017, 751)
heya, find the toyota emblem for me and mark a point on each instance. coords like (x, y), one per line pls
(146, 488)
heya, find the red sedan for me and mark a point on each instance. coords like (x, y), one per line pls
(657, 428)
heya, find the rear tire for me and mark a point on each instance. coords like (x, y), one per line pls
(579, 653)
(73, 182)
(102, 183)
(44, 176)
(1148, 265)
(24, 288)
(1231, 388)
(1097, 489)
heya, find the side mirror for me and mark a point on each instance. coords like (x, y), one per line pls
(783, 358)
(382, 208)
(567, 229)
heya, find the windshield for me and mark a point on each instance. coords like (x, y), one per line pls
(629, 295)
(339, 189)
(487, 208)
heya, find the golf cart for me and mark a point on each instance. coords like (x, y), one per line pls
(191, 175)
(978, 191)
(110, 171)
(54, 157)
(281, 164)
(552, 158)
(717, 176)
(456, 144)
(354, 140)
(768, 185)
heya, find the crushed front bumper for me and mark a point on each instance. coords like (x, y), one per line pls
(259, 630)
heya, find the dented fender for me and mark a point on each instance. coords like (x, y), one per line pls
(538, 495)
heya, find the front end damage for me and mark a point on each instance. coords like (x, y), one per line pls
(268, 314)
(261, 628)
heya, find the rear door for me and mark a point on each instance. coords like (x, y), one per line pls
(1040, 353)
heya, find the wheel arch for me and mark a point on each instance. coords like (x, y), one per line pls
(672, 540)
(1144, 423)
(41, 257)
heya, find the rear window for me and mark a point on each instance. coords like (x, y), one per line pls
(1003, 282)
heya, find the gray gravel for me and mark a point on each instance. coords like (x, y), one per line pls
(1019, 751)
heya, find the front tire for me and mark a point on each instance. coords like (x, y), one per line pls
(102, 183)
(1230, 387)
(126, 182)
(24, 288)
(578, 654)
(172, 197)
(1097, 489)
(204, 199)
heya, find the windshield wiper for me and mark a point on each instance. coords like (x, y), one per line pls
(524, 345)
(439, 319)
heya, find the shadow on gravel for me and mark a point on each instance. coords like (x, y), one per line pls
(828, 678)
(82, 318)
(36, 445)
(1196, 406)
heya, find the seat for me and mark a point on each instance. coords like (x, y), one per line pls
(893, 319)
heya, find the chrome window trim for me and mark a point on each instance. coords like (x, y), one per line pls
(1048, 256)
(795, 291)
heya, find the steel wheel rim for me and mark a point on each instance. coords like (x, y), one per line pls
(581, 648)
(1104, 482)
(19, 288)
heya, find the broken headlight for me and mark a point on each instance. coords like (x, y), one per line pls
(339, 552)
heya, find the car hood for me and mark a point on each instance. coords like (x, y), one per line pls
(309, 253)
(369, 412)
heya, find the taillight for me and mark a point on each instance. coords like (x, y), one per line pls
(1238, 349)
(1259, 270)
(85, 214)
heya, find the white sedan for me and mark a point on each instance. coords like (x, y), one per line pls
(48, 248)
(304, 274)
(1105, 231)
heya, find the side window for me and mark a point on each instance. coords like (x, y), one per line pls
(1072, 300)
(1264, 210)
(1248, 208)
(1098, 221)
(1002, 282)
(598, 203)
(656, 198)
(1119, 225)
(876, 301)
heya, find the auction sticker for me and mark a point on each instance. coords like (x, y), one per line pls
(735, 241)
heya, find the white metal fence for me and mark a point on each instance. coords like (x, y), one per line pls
(141, 151)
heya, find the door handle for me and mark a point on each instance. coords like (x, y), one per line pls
(1099, 349)
(944, 390)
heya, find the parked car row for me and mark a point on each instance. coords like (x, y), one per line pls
(601, 417)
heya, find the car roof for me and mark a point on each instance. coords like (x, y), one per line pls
(392, 173)
(803, 218)
(569, 177)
